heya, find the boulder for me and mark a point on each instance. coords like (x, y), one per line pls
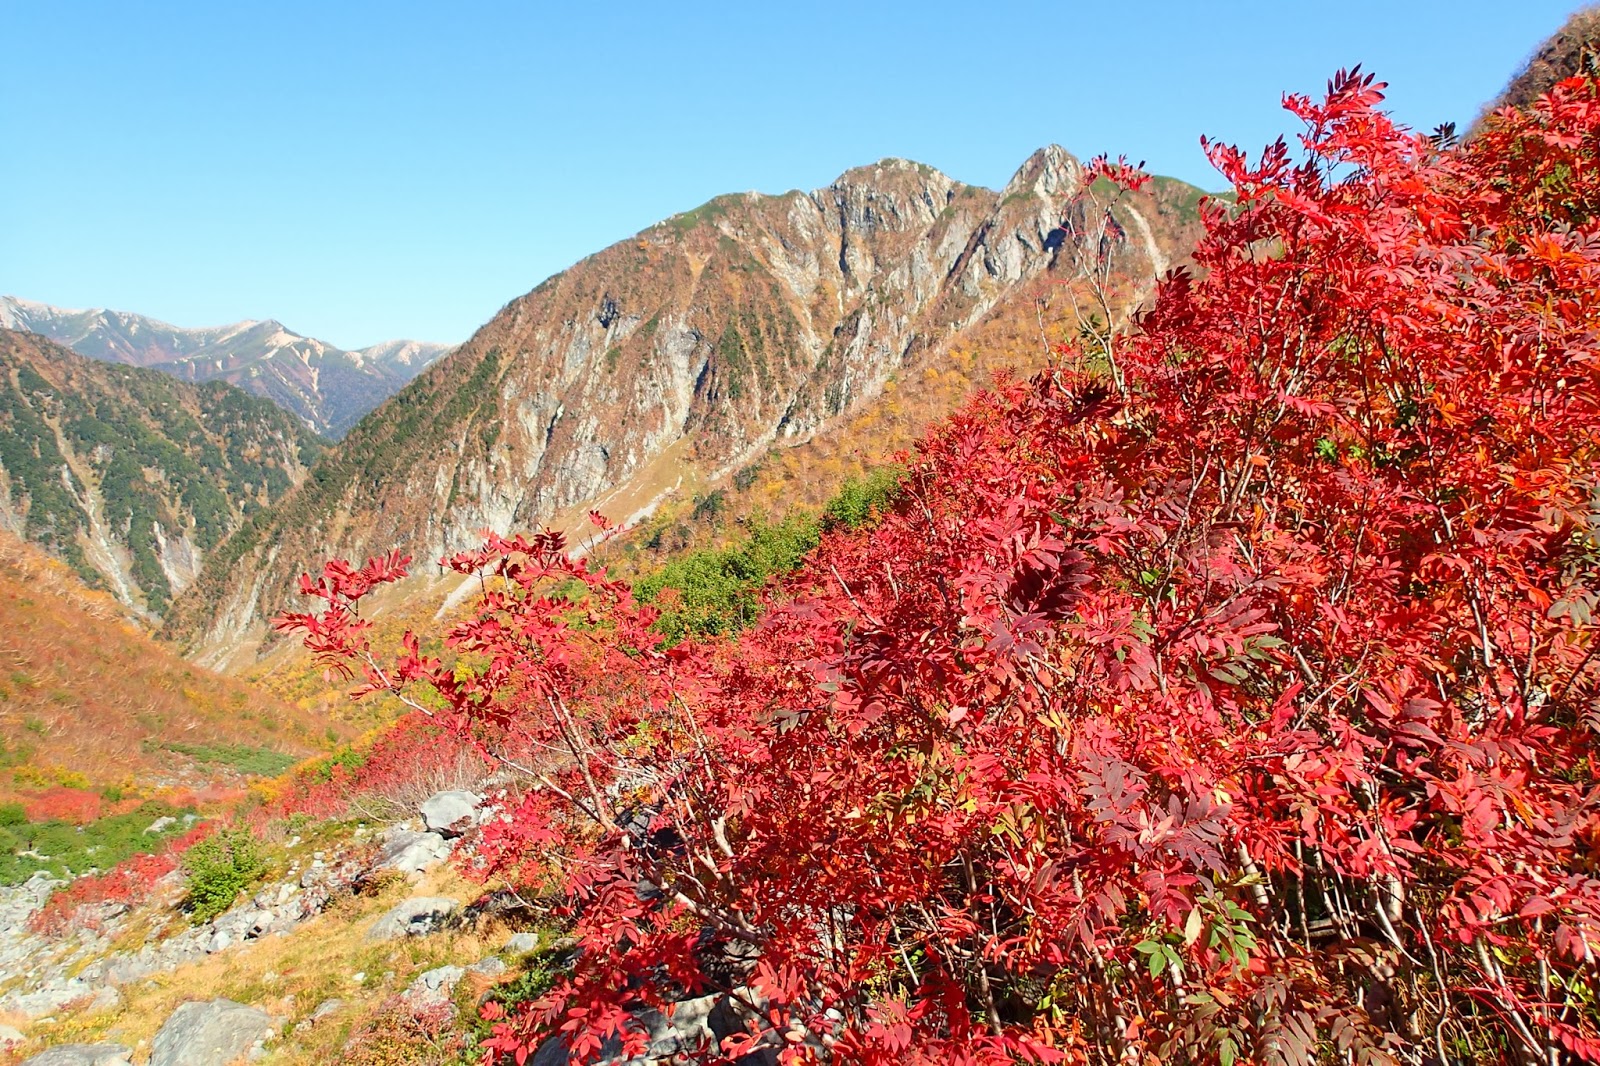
(10, 1036)
(451, 813)
(325, 1008)
(81, 1055)
(521, 943)
(493, 966)
(433, 988)
(418, 916)
(161, 825)
(210, 1033)
(411, 853)
(128, 969)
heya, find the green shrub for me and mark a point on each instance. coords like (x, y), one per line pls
(217, 869)
(860, 498)
(719, 589)
(64, 849)
(252, 762)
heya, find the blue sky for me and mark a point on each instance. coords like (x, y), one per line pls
(363, 171)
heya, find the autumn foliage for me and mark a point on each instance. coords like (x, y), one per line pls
(1226, 693)
(83, 903)
(402, 766)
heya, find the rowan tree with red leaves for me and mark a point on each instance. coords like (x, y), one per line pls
(1228, 694)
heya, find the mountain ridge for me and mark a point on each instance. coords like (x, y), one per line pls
(681, 353)
(327, 387)
(131, 476)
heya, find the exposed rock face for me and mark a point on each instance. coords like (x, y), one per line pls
(212, 1033)
(329, 388)
(693, 347)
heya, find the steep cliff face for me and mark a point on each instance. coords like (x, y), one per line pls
(751, 321)
(330, 389)
(129, 476)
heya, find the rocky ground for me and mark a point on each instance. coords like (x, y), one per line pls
(367, 946)
(50, 986)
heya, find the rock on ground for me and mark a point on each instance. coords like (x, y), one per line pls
(411, 852)
(81, 1055)
(452, 812)
(417, 916)
(210, 1033)
(434, 987)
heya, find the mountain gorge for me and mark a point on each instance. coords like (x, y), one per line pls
(330, 389)
(676, 358)
(130, 476)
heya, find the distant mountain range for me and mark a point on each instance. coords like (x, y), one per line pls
(677, 358)
(329, 388)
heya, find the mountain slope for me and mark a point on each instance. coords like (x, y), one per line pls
(1571, 50)
(676, 357)
(328, 387)
(131, 476)
(86, 696)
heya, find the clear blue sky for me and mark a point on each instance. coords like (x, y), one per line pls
(371, 170)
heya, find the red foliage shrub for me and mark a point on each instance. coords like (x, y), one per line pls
(129, 883)
(62, 804)
(1228, 693)
(407, 763)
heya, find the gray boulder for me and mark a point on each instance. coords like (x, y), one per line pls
(413, 917)
(493, 966)
(82, 1055)
(210, 1033)
(451, 813)
(434, 987)
(10, 1036)
(411, 853)
(521, 943)
(326, 1008)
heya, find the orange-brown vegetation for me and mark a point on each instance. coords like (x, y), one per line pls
(89, 701)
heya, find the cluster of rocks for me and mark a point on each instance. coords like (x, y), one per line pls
(220, 1031)
(81, 972)
(210, 1033)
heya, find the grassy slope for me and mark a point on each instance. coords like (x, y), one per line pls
(87, 699)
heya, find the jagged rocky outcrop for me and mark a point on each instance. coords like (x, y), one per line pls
(752, 321)
(327, 387)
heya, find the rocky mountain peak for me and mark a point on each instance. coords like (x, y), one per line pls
(1051, 173)
(262, 356)
(666, 363)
